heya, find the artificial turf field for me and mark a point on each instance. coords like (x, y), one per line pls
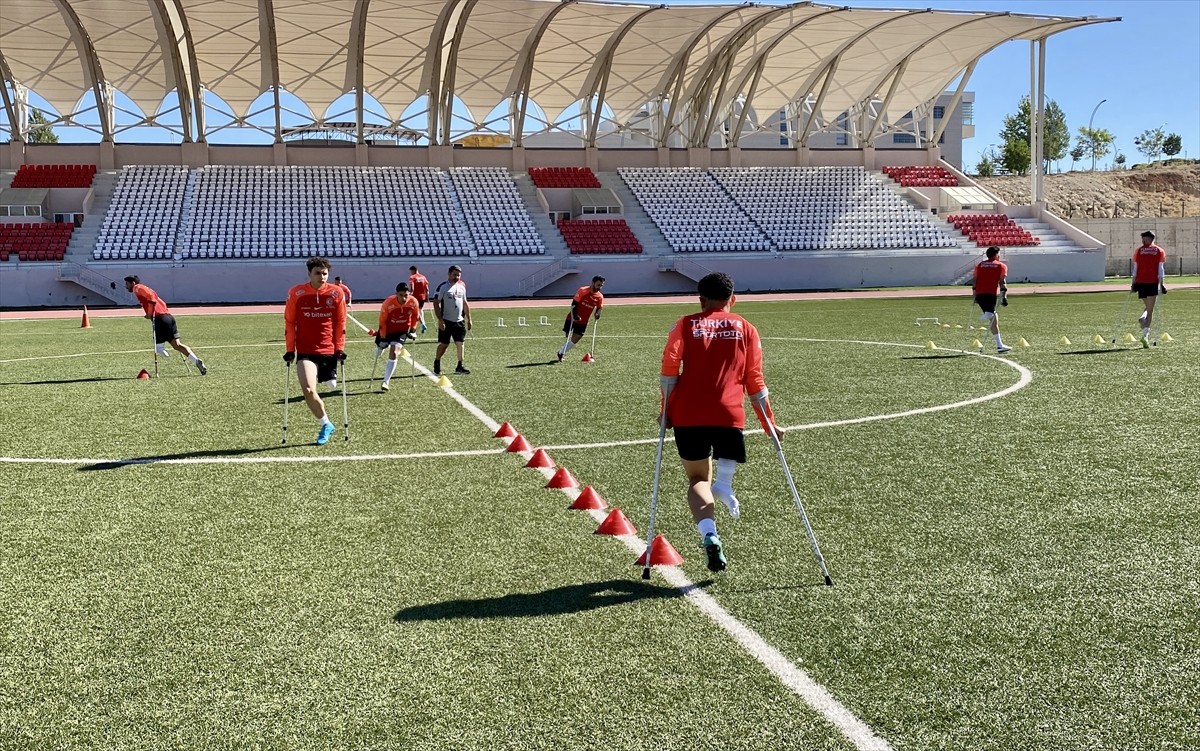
(1016, 573)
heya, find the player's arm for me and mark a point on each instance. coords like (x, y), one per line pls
(467, 313)
(437, 307)
(756, 384)
(672, 360)
(289, 325)
(381, 330)
(339, 327)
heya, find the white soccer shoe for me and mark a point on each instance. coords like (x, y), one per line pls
(724, 494)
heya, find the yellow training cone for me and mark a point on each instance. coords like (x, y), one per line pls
(1064, 341)
(976, 344)
(1129, 338)
(945, 325)
(1097, 339)
(1023, 343)
(1166, 337)
(443, 382)
(930, 345)
(958, 325)
(403, 352)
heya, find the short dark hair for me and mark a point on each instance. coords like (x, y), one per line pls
(412, 268)
(337, 279)
(134, 278)
(597, 278)
(1148, 234)
(455, 267)
(993, 251)
(402, 287)
(317, 262)
(716, 286)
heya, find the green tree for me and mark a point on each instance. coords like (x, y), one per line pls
(1015, 157)
(1173, 144)
(1076, 154)
(1056, 138)
(40, 130)
(1095, 142)
(1150, 143)
(1119, 160)
(985, 167)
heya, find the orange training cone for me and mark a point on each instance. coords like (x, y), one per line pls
(562, 479)
(144, 375)
(662, 553)
(85, 323)
(587, 357)
(540, 459)
(588, 499)
(616, 524)
(506, 431)
(518, 444)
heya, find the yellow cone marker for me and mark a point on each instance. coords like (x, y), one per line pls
(1064, 341)
(443, 382)
(1097, 339)
(1166, 337)
(930, 345)
(403, 352)
(945, 325)
(1023, 342)
(958, 325)
(1129, 338)
(976, 344)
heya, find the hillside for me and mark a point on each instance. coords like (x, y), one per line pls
(1115, 193)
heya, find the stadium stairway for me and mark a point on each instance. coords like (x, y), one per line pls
(1051, 239)
(654, 243)
(83, 239)
(460, 214)
(556, 247)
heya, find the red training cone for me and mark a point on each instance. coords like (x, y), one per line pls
(144, 375)
(662, 553)
(506, 431)
(588, 499)
(562, 479)
(616, 524)
(587, 357)
(85, 323)
(540, 459)
(518, 444)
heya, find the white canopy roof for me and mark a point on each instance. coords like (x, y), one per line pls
(691, 65)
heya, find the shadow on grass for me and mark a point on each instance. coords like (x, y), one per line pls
(953, 355)
(575, 598)
(533, 364)
(65, 381)
(118, 463)
(1107, 351)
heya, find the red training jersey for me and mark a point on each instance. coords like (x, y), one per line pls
(346, 292)
(721, 357)
(988, 275)
(397, 316)
(154, 305)
(314, 320)
(419, 286)
(1146, 258)
(587, 301)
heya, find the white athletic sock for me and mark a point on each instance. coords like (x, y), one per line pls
(725, 470)
(161, 349)
(194, 359)
(1146, 331)
(998, 342)
(388, 369)
(331, 383)
(326, 421)
(706, 527)
(567, 346)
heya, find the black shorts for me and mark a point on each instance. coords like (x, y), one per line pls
(1146, 289)
(399, 337)
(696, 443)
(420, 304)
(326, 365)
(986, 303)
(456, 331)
(164, 328)
(577, 328)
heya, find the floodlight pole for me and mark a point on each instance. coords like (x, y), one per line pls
(1091, 135)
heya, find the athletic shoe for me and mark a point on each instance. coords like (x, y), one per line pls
(560, 356)
(383, 386)
(324, 433)
(1003, 348)
(200, 366)
(715, 552)
(1145, 342)
(724, 494)
(423, 327)
(437, 367)
(460, 370)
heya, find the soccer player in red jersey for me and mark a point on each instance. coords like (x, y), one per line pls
(418, 285)
(587, 299)
(314, 329)
(337, 280)
(720, 355)
(397, 317)
(165, 330)
(991, 275)
(1149, 272)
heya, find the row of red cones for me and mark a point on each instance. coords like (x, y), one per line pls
(662, 553)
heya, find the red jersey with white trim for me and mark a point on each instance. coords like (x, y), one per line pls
(587, 301)
(346, 292)
(314, 320)
(418, 284)
(721, 357)
(396, 316)
(988, 275)
(1146, 258)
(153, 305)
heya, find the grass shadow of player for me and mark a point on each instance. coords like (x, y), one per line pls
(539, 363)
(63, 381)
(1105, 351)
(573, 598)
(952, 355)
(159, 458)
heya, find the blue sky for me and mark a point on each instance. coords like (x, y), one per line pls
(1145, 68)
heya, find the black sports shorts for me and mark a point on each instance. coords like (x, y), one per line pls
(576, 328)
(986, 303)
(164, 328)
(456, 331)
(1146, 289)
(326, 365)
(701, 442)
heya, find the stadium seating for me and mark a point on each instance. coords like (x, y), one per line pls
(829, 208)
(143, 217)
(495, 212)
(34, 241)
(692, 210)
(993, 229)
(912, 176)
(564, 177)
(54, 176)
(599, 236)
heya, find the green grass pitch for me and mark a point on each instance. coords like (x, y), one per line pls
(1018, 573)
